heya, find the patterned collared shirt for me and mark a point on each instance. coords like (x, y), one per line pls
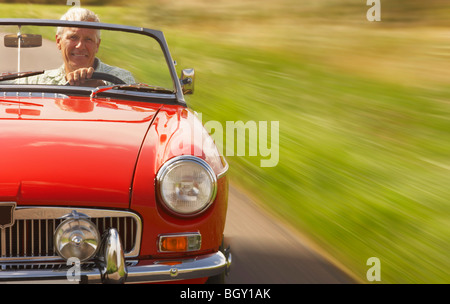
(58, 76)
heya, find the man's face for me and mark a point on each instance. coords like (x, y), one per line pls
(78, 47)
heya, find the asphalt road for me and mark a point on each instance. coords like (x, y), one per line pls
(48, 54)
(265, 251)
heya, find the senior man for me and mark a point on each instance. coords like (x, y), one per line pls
(79, 47)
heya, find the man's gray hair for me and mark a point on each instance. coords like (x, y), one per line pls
(79, 14)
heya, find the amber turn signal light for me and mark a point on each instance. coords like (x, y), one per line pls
(180, 242)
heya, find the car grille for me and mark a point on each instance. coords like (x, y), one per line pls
(31, 236)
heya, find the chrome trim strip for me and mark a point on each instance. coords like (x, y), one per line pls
(226, 167)
(191, 268)
(199, 267)
(3, 242)
(35, 95)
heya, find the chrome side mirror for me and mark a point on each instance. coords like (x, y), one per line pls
(187, 81)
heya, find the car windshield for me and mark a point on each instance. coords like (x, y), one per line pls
(45, 55)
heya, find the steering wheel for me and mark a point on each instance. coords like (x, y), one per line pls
(107, 77)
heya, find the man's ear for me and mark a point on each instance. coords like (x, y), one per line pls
(58, 42)
(98, 45)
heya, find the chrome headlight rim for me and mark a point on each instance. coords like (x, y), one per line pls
(168, 166)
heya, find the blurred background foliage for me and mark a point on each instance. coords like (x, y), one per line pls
(363, 109)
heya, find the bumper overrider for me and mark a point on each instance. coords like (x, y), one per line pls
(111, 268)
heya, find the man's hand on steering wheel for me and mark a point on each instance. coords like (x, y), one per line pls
(83, 76)
(89, 78)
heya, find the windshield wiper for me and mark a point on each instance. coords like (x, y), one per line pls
(132, 87)
(11, 76)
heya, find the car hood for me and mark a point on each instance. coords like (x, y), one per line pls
(70, 151)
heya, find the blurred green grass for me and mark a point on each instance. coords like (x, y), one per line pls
(363, 110)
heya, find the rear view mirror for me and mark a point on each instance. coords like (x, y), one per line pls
(26, 41)
(187, 81)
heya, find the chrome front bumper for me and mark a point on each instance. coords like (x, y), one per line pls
(112, 269)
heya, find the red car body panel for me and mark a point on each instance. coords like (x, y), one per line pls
(73, 152)
(174, 133)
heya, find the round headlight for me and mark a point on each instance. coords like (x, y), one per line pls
(78, 238)
(186, 185)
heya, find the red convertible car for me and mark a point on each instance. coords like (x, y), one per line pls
(108, 176)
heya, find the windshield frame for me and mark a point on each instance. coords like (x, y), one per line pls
(155, 34)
